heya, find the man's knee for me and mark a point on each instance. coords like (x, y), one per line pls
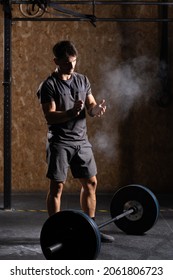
(56, 188)
(92, 182)
(89, 184)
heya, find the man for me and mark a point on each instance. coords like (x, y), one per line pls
(65, 96)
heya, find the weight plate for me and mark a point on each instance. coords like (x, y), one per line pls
(137, 197)
(78, 234)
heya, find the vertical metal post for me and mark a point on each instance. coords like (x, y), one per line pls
(164, 96)
(7, 103)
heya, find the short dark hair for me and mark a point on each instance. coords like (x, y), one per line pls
(64, 49)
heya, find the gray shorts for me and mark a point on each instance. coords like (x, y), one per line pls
(79, 158)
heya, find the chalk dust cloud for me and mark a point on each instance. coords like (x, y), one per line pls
(125, 85)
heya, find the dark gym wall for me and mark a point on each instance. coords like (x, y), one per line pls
(133, 142)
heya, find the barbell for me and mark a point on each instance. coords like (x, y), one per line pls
(73, 235)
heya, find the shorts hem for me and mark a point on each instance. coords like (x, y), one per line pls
(56, 179)
(85, 177)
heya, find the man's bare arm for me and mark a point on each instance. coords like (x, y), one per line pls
(53, 116)
(93, 108)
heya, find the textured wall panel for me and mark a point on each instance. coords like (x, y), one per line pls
(133, 142)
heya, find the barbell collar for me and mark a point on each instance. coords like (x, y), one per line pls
(54, 248)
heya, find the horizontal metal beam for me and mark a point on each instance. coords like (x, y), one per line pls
(97, 19)
(120, 3)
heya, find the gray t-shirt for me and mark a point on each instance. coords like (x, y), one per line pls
(65, 93)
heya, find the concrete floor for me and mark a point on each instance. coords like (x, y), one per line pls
(20, 230)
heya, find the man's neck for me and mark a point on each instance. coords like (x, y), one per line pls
(61, 76)
(65, 77)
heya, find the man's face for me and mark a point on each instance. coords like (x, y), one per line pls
(67, 65)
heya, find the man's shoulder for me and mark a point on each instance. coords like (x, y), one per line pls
(51, 82)
(80, 77)
(49, 79)
(77, 74)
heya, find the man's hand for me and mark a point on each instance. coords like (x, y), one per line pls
(99, 109)
(78, 106)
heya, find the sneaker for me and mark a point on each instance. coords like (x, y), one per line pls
(105, 238)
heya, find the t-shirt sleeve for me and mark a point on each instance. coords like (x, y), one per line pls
(45, 92)
(88, 85)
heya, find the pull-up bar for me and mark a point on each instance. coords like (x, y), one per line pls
(35, 9)
(85, 2)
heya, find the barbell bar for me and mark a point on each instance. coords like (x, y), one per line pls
(71, 234)
(53, 248)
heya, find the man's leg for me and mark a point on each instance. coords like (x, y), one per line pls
(54, 197)
(88, 195)
(88, 202)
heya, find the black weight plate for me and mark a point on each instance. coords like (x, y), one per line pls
(145, 198)
(77, 232)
